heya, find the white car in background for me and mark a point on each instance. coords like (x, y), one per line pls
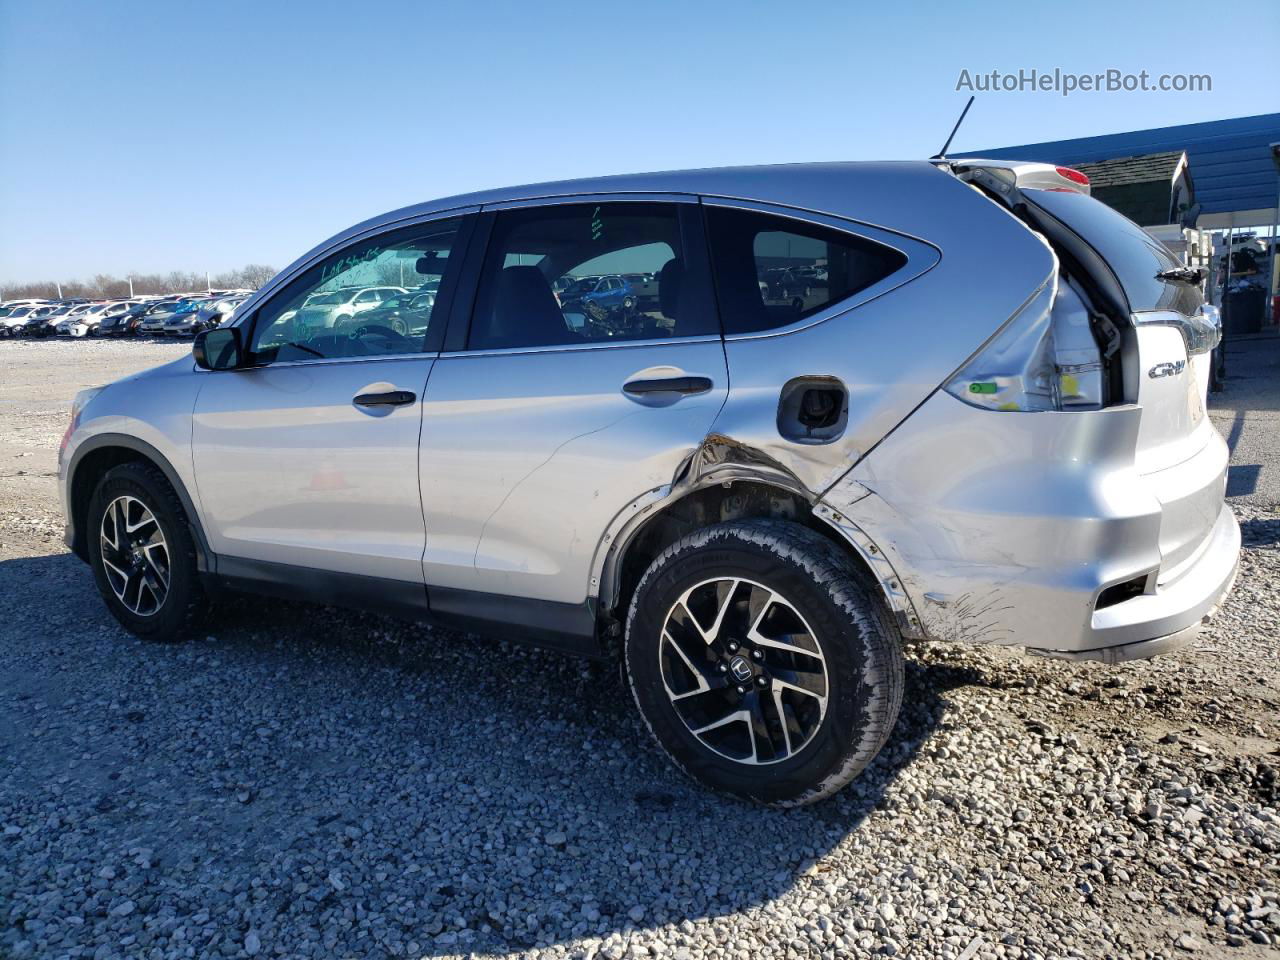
(334, 308)
(86, 323)
(18, 316)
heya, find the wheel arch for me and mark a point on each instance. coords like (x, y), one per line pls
(656, 520)
(90, 463)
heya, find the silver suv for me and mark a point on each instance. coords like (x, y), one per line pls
(979, 417)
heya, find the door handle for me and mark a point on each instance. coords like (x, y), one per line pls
(669, 385)
(392, 398)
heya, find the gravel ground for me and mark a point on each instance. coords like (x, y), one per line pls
(313, 783)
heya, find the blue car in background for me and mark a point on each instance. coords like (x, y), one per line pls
(600, 297)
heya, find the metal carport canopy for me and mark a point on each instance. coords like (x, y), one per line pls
(1231, 162)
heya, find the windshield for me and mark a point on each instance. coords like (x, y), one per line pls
(582, 286)
(323, 298)
(1133, 255)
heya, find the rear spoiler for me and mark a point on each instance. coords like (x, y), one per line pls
(1006, 177)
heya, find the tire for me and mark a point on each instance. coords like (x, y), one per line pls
(826, 743)
(183, 603)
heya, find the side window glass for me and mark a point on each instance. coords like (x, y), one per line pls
(329, 312)
(547, 271)
(771, 271)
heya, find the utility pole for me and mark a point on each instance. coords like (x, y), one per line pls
(130, 286)
(58, 284)
(208, 284)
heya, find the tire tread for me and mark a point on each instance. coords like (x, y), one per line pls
(836, 573)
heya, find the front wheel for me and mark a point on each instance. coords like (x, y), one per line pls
(142, 553)
(760, 664)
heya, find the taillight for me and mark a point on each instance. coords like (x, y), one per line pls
(1075, 176)
(1045, 358)
(1015, 370)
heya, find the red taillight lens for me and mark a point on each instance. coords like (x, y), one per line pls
(1075, 176)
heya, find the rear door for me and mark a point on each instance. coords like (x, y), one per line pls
(309, 457)
(540, 427)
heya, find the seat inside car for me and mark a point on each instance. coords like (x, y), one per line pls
(525, 312)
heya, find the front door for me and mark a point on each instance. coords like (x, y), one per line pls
(309, 457)
(548, 422)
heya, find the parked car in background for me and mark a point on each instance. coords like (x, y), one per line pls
(152, 322)
(125, 323)
(86, 324)
(334, 308)
(17, 317)
(180, 322)
(601, 297)
(21, 302)
(645, 288)
(210, 314)
(406, 314)
(46, 326)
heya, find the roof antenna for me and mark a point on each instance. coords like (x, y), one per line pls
(942, 154)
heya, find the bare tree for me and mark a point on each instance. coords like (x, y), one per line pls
(105, 285)
(255, 275)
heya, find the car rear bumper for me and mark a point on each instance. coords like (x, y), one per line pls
(1172, 616)
(1012, 529)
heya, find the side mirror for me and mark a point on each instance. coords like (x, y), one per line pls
(218, 349)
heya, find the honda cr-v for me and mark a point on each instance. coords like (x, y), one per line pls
(979, 418)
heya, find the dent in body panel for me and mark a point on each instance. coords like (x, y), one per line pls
(716, 459)
(924, 611)
(723, 460)
(1005, 531)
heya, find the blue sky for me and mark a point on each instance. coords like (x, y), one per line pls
(151, 136)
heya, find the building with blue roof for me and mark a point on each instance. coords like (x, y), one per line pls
(1231, 162)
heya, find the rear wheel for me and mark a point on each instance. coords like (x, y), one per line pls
(761, 665)
(142, 553)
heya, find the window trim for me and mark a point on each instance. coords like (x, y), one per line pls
(247, 320)
(693, 236)
(921, 256)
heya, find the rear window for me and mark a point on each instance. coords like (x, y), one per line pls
(1133, 254)
(771, 271)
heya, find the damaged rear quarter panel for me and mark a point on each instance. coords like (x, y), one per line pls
(1004, 527)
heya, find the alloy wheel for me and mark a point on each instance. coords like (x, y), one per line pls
(135, 556)
(743, 670)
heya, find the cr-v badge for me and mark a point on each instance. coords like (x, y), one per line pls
(1169, 369)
